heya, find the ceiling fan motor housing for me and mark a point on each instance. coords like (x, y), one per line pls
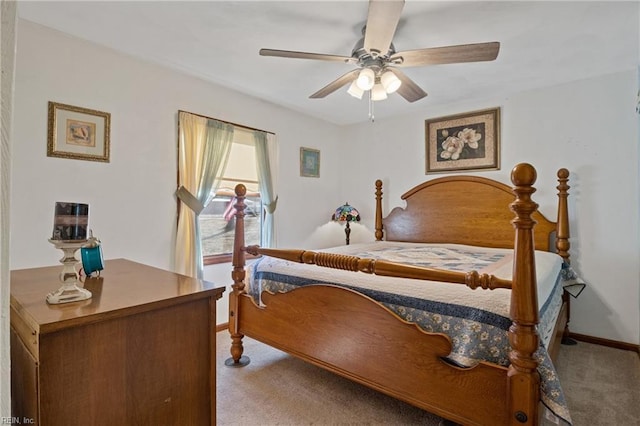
(373, 59)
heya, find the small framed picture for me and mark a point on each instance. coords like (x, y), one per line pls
(78, 133)
(309, 162)
(469, 141)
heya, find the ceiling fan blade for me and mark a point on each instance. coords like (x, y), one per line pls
(476, 52)
(306, 55)
(382, 20)
(336, 84)
(408, 89)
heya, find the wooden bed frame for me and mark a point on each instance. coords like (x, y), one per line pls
(339, 329)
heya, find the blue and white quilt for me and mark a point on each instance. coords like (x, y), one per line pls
(477, 321)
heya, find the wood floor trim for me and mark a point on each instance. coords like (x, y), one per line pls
(605, 342)
(225, 326)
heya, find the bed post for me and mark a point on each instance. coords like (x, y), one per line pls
(562, 242)
(562, 231)
(379, 233)
(523, 384)
(238, 275)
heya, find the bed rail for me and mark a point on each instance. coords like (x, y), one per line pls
(385, 268)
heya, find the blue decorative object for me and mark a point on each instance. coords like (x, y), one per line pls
(91, 254)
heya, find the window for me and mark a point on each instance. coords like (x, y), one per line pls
(217, 220)
(204, 149)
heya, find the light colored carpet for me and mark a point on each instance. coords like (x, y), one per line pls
(601, 385)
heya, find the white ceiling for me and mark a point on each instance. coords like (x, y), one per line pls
(542, 44)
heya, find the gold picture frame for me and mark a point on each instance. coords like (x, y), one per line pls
(469, 141)
(309, 162)
(78, 133)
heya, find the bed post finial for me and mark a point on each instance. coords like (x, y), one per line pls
(238, 275)
(524, 174)
(379, 233)
(562, 224)
(523, 377)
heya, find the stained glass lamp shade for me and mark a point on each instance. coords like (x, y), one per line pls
(346, 213)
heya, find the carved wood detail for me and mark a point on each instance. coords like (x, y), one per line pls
(523, 378)
(379, 232)
(238, 275)
(562, 234)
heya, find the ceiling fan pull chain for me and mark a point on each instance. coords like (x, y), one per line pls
(371, 116)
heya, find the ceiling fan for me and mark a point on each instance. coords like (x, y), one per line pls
(378, 62)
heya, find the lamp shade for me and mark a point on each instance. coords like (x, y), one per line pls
(390, 81)
(346, 213)
(366, 79)
(354, 90)
(378, 93)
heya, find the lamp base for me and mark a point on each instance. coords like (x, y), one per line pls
(347, 233)
(66, 294)
(69, 292)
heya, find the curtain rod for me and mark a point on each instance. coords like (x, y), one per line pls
(227, 122)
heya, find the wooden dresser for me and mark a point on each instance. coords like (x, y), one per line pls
(141, 351)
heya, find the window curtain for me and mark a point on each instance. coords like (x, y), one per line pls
(266, 157)
(203, 151)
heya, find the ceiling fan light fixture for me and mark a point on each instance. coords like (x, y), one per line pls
(355, 91)
(390, 82)
(378, 93)
(366, 79)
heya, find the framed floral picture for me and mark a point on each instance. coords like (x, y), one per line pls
(78, 133)
(309, 162)
(469, 141)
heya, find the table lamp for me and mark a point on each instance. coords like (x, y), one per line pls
(346, 213)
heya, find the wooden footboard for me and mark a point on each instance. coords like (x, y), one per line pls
(352, 335)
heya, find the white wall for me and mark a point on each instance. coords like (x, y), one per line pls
(132, 206)
(588, 126)
(7, 62)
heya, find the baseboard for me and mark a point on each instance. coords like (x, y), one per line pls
(222, 327)
(605, 342)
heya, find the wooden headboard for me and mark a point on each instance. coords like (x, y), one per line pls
(468, 210)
